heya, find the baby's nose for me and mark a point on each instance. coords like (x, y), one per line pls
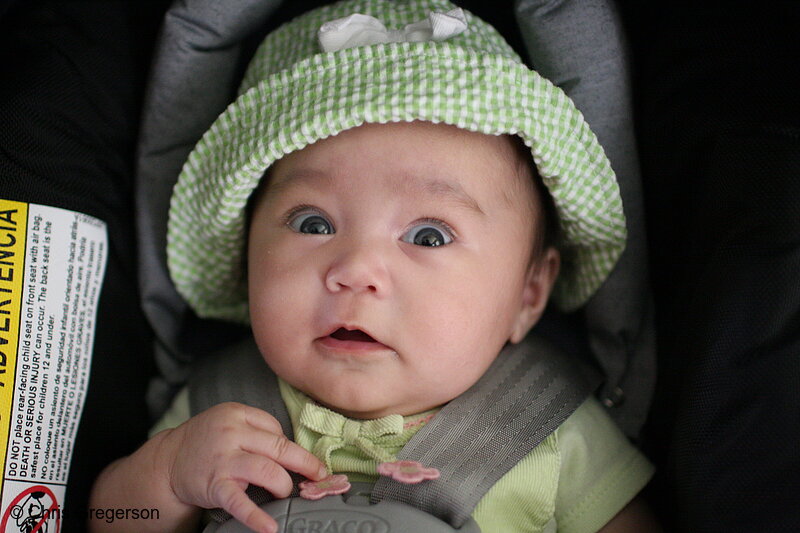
(359, 268)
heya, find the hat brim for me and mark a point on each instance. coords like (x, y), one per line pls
(329, 93)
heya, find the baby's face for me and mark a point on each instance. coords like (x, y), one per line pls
(389, 264)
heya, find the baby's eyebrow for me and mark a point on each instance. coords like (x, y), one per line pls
(446, 191)
(442, 190)
(295, 178)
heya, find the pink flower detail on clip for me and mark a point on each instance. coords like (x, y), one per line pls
(407, 471)
(329, 486)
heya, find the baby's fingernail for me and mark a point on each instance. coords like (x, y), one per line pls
(323, 472)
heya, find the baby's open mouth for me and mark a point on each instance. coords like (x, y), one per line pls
(352, 342)
(343, 334)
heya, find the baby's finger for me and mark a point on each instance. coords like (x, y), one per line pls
(262, 420)
(236, 502)
(261, 471)
(288, 454)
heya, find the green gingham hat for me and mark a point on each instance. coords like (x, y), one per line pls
(294, 94)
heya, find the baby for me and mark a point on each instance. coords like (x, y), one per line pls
(400, 238)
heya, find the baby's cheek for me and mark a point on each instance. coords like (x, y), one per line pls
(449, 329)
(278, 308)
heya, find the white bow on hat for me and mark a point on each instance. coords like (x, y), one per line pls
(358, 30)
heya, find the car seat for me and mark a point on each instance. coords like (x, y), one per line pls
(719, 129)
(70, 93)
(579, 46)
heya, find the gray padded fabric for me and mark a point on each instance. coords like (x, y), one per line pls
(193, 79)
(579, 45)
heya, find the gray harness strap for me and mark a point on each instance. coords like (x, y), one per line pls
(239, 374)
(475, 440)
(529, 390)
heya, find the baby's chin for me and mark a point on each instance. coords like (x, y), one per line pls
(365, 406)
(359, 409)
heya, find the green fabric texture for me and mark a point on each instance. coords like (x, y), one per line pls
(293, 95)
(345, 445)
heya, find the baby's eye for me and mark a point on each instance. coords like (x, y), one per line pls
(312, 223)
(430, 233)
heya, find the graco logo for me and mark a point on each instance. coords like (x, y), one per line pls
(336, 522)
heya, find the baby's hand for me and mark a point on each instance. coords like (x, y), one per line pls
(213, 456)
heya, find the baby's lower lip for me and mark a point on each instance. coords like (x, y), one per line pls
(351, 346)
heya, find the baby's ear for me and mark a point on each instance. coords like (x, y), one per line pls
(539, 282)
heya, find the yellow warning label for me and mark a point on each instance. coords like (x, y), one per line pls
(13, 226)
